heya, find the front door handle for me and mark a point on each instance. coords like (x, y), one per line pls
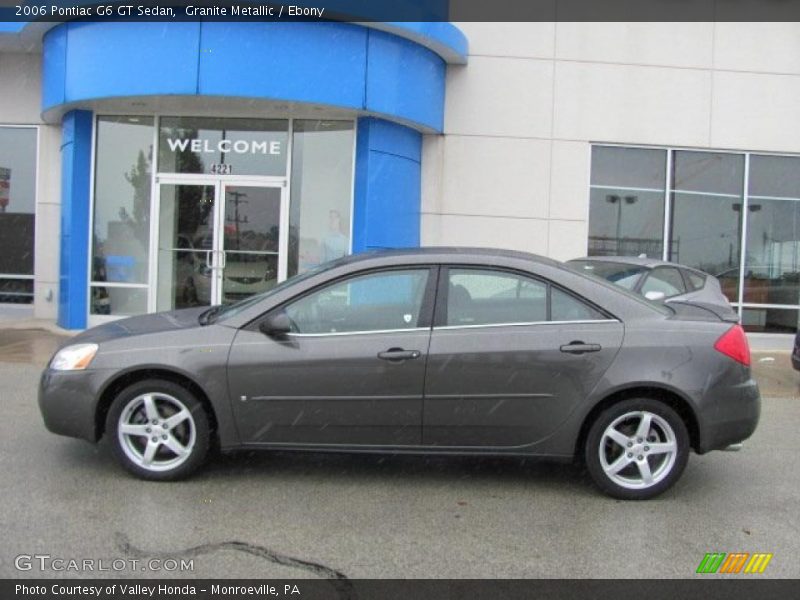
(399, 355)
(580, 348)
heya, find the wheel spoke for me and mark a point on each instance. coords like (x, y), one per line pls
(150, 408)
(150, 452)
(662, 448)
(619, 437)
(619, 464)
(173, 444)
(644, 470)
(131, 429)
(644, 425)
(176, 419)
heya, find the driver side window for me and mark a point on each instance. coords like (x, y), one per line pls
(373, 302)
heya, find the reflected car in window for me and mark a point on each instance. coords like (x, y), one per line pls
(427, 351)
(658, 280)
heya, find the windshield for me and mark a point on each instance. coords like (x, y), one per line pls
(626, 276)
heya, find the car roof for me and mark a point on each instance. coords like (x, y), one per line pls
(442, 253)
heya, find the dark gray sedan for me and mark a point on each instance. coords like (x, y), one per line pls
(449, 351)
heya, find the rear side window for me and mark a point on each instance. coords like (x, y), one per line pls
(666, 280)
(489, 297)
(565, 307)
(694, 280)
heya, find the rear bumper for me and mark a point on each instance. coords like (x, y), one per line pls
(735, 418)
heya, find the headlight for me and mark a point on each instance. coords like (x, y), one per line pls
(74, 358)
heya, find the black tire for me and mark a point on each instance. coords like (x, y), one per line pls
(191, 433)
(666, 430)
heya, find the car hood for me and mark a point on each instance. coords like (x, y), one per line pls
(141, 325)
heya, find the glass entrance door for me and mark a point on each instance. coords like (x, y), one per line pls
(218, 241)
(251, 241)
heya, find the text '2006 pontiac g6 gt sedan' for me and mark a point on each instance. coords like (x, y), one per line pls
(439, 350)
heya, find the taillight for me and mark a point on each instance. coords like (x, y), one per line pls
(733, 344)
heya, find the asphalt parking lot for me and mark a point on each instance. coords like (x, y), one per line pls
(272, 515)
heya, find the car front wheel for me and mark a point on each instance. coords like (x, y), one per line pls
(637, 448)
(158, 430)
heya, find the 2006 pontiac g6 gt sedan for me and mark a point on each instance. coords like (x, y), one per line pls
(438, 350)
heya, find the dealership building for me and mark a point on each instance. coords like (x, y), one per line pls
(151, 166)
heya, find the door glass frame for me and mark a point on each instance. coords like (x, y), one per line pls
(220, 183)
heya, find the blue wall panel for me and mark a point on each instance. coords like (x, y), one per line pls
(130, 59)
(386, 208)
(405, 80)
(336, 64)
(76, 156)
(322, 63)
(54, 66)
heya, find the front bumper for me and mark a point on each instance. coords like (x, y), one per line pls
(68, 402)
(735, 418)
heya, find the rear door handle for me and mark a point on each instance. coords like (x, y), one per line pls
(580, 348)
(399, 355)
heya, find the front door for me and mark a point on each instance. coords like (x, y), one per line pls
(219, 240)
(351, 371)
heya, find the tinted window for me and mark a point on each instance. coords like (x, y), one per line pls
(479, 297)
(666, 280)
(373, 302)
(565, 307)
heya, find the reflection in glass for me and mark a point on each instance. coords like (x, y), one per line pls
(17, 212)
(118, 301)
(322, 169)
(185, 241)
(772, 256)
(121, 231)
(251, 241)
(707, 214)
(770, 320)
(626, 223)
(222, 146)
(626, 203)
(246, 274)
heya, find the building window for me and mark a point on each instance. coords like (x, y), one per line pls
(733, 215)
(626, 206)
(17, 213)
(320, 214)
(121, 218)
(239, 204)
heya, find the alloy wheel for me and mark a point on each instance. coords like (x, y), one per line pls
(638, 450)
(156, 431)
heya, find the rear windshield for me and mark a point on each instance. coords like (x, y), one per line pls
(623, 275)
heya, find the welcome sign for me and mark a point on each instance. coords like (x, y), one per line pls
(223, 146)
(206, 146)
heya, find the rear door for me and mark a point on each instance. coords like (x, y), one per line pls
(510, 357)
(352, 370)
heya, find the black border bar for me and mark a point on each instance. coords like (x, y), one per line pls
(745, 587)
(424, 10)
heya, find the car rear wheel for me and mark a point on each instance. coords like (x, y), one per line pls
(636, 449)
(158, 430)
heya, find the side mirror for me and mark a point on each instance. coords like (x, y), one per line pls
(655, 296)
(276, 325)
